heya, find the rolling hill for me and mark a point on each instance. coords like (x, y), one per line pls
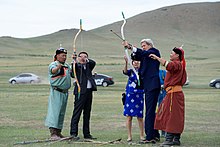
(196, 25)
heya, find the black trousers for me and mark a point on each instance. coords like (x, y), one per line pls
(151, 98)
(83, 103)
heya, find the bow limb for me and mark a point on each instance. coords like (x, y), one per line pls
(77, 34)
(126, 49)
(74, 63)
(122, 27)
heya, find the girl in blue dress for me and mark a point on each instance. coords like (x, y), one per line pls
(134, 103)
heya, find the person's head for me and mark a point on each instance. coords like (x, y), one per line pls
(83, 57)
(136, 64)
(146, 44)
(177, 54)
(60, 55)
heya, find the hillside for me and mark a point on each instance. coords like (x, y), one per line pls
(196, 25)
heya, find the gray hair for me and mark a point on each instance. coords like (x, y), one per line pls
(148, 41)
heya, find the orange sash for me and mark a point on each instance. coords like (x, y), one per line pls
(172, 89)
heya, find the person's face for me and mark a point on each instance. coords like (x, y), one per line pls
(82, 58)
(173, 56)
(61, 57)
(136, 64)
(145, 46)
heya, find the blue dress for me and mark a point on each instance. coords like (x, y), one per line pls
(134, 103)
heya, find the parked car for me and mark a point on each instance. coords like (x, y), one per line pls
(215, 83)
(103, 80)
(25, 78)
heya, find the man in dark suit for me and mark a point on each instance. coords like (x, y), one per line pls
(83, 97)
(149, 73)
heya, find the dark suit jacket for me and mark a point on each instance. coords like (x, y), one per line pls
(83, 75)
(149, 68)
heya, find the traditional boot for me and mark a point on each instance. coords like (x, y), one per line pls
(54, 134)
(176, 140)
(59, 133)
(169, 140)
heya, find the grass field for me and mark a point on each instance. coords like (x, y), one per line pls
(23, 107)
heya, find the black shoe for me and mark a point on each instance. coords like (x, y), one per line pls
(176, 142)
(75, 137)
(149, 141)
(157, 139)
(167, 143)
(142, 141)
(89, 137)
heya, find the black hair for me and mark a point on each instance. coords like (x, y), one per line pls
(83, 52)
(179, 52)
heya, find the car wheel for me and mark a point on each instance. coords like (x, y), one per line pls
(13, 82)
(105, 84)
(217, 85)
(31, 81)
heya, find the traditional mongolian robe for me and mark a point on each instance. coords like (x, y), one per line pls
(134, 103)
(170, 116)
(57, 101)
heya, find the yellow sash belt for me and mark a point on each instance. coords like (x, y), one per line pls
(172, 89)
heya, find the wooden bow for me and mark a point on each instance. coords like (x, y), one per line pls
(126, 50)
(75, 55)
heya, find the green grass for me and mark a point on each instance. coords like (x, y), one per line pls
(23, 107)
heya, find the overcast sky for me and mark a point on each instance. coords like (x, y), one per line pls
(31, 18)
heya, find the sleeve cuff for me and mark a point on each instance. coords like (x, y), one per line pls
(166, 63)
(134, 49)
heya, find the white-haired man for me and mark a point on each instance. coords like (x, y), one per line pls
(149, 73)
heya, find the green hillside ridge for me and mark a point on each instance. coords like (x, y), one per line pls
(195, 25)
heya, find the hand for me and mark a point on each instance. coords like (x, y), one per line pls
(82, 59)
(126, 59)
(153, 56)
(59, 66)
(74, 62)
(74, 56)
(127, 45)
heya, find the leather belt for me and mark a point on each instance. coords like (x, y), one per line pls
(60, 90)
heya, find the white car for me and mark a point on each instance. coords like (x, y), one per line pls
(25, 78)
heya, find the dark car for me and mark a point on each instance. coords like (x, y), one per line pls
(103, 80)
(215, 83)
(25, 78)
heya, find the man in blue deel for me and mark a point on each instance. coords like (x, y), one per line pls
(60, 81)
